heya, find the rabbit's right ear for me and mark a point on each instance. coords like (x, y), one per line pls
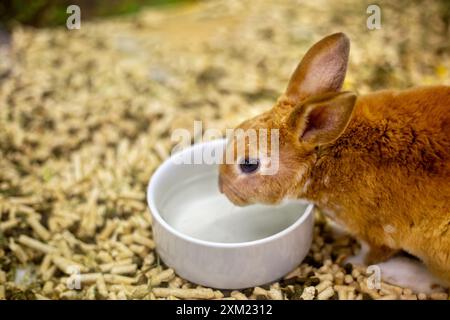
(322, 119)
(321, 70)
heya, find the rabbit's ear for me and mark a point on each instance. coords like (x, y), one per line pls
(322, 119)
(321, 70)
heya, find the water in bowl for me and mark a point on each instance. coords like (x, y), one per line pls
(196, 208)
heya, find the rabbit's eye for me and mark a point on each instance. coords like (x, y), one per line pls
(249, 165)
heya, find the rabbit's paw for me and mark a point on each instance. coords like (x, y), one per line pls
(410, 273)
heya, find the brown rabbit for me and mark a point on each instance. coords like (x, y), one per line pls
(378, 164)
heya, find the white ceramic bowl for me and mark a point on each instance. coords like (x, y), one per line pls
(224, 265)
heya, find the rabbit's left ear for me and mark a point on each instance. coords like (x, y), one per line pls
(321, 70)
(322, 119)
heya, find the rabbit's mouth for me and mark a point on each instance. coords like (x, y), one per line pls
(232, 194)
(234, 197)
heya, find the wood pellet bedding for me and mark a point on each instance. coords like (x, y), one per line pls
(86, 116)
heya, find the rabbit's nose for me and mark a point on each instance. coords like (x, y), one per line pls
(220, 184)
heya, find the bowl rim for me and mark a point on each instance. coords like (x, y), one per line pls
(154, 212)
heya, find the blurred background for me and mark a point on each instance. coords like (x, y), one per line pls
(47, 13)
(86, 115)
